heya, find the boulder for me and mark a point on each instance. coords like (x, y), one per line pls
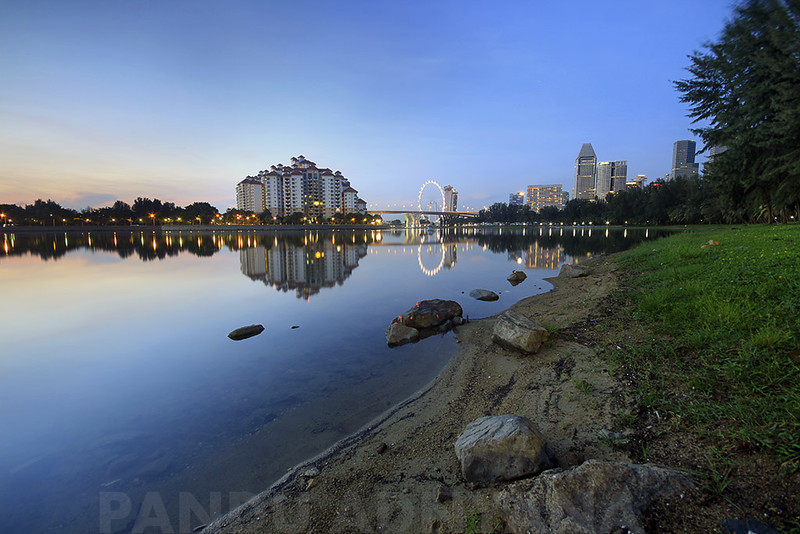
(516, 277)
(246, 331)
(573, 271)
(430, 313)
(502, 447)
(399, 334)
(592, 497)
(515, 331)
(484, 294)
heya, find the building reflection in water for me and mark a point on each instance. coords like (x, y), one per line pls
(318, 261)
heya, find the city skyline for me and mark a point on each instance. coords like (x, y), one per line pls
(110, 101)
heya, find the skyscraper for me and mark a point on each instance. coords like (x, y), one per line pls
(585, 173)
(683, 165)
(450, 198)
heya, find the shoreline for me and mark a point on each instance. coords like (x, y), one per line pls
(389, 476)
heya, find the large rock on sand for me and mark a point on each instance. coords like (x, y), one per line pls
(502, 447)
(430, 313)
(591, 498)
(573, 271)
(515, 331)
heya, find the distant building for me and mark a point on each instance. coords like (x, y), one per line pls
(683, 165)
(611, 177)
(540, 196)
(516, 199)
(585, 173)
(713, 152)
(637, 183)
(564, 198)
(250, 195)
(299, 187)
(450, 198)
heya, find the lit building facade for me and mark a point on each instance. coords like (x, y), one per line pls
(611, 177)
(516, 199)
(300, 187)
(683, 165)
(540, 196)
(585, 173)
(250, 195)
(450, 198)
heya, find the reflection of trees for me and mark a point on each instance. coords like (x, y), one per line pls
(150, 245)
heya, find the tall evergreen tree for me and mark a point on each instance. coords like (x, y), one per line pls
(747, 86)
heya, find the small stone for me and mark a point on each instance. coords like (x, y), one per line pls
(484, 294)
(443, 494)
(311, 473)
(295, 326)
(382, 448)
(311, 483)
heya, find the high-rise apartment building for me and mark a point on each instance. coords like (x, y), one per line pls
(516, 199)
(585, 173)
(611, 177)
(540, 196)
(250, 195)
(683, 165)
(299, 187)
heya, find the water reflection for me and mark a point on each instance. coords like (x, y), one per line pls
(306, 262)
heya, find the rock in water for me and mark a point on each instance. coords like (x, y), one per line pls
(515, 331)
(516, 277)
(502, 447)
(572, 271)
(593, 497)
(483, 294)
(246, 331)
(430, 313)
(399, 334)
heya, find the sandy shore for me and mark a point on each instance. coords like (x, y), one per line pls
(387, 477)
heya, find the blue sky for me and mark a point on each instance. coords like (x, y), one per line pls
(180, 100)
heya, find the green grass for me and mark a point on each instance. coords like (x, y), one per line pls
(724, 357)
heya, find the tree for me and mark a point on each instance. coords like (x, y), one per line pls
(746, 87)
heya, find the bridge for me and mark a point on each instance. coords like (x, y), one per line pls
(413, 216)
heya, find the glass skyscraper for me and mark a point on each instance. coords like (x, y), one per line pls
(585, 173)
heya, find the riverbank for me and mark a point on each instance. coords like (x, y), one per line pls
(388, 476)
(684, 346)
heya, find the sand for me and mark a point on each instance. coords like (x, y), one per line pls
(401, 474)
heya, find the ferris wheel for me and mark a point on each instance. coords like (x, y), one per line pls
(430, 201)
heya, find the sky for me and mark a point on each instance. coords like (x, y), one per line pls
(180, 100)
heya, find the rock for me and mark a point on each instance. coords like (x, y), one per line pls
(593, 497)
(311, 472)
(246, 331)
(610, 435)
(382, 448)
(748, 526)
(457, 320)
(484, 294)
(572, 271)
(502, 447)
(443, 494)
(399, 334)
(430, 313)
(516, 277)
(311, 483)
(515, 331)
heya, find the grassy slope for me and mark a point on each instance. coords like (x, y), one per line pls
(708, 336)
(728, 314)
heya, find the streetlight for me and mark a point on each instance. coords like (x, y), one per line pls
(153, 216)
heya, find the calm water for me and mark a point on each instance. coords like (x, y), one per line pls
(122, 399)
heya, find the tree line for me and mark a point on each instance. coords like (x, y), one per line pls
(152, 212)
(745, 91)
